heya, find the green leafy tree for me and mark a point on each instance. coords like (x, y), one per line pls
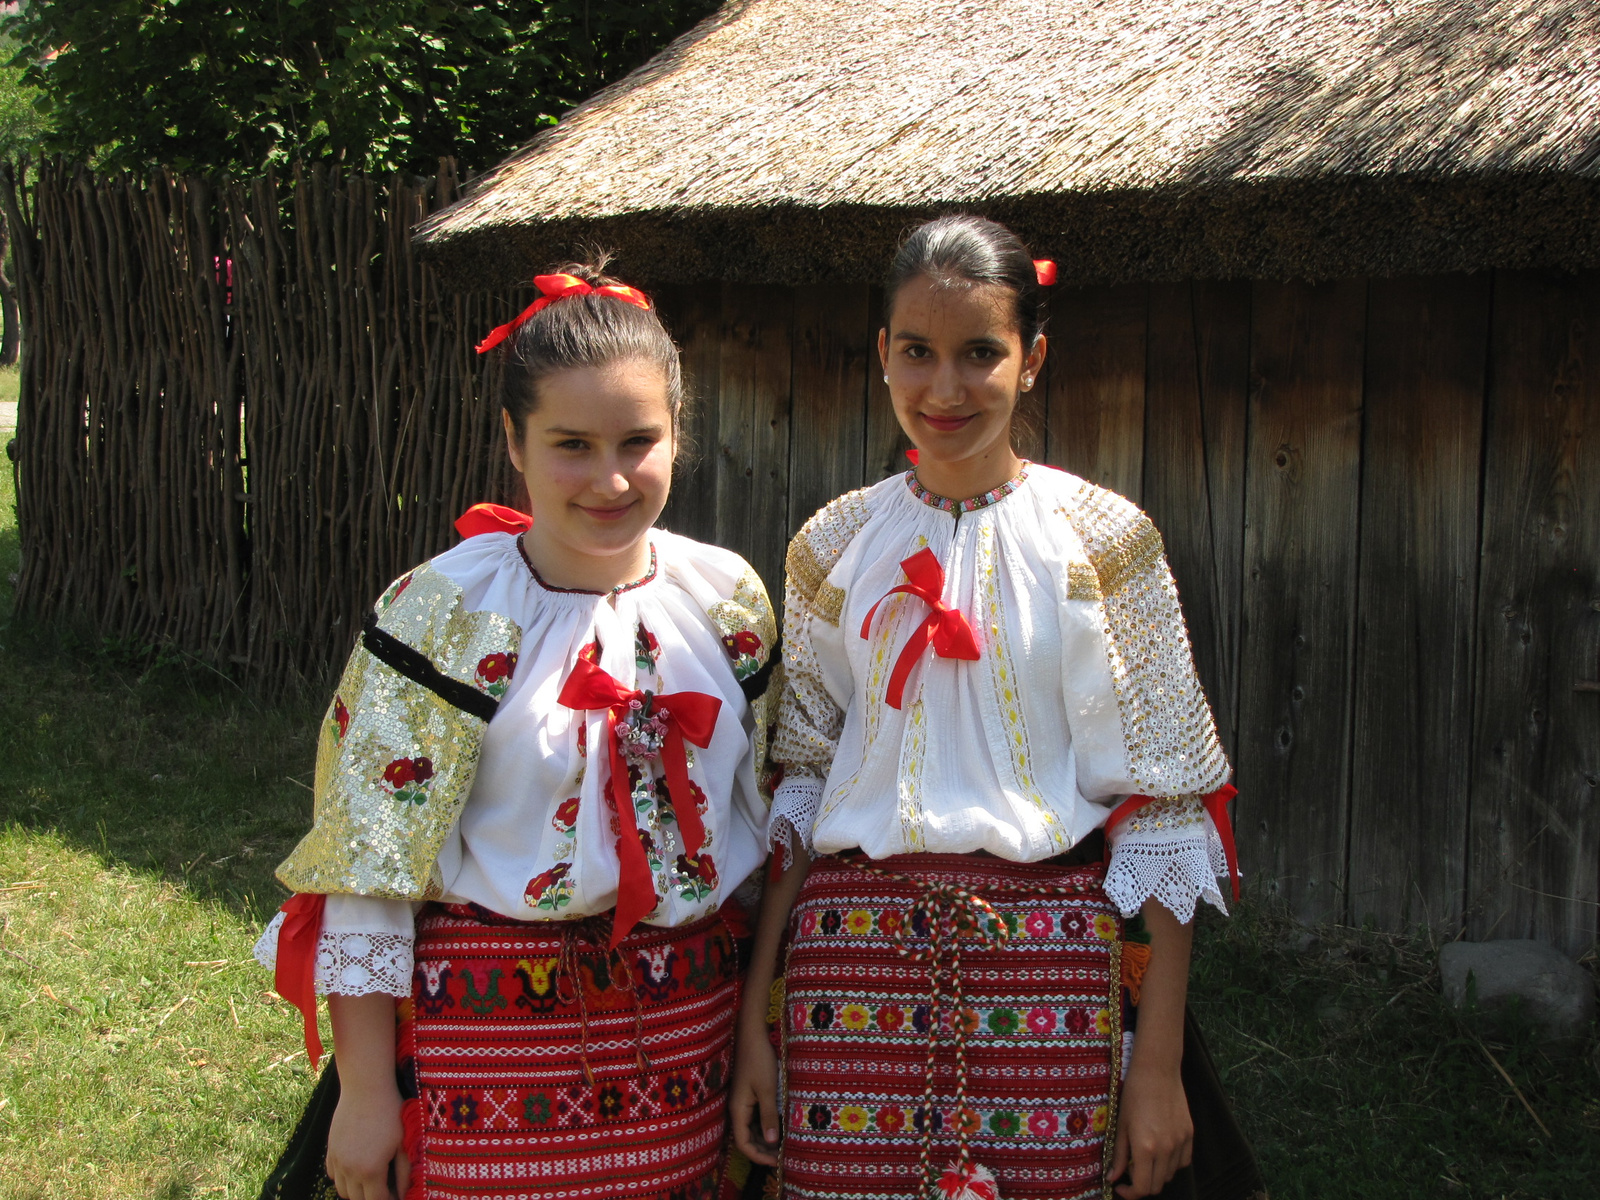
(373, 84)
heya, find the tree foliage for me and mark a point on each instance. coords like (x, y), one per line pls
(375, 84)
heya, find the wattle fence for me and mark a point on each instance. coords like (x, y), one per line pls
(245, 407)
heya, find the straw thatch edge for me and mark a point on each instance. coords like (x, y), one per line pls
(1294, 229)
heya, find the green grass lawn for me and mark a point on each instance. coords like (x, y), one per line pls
(142, 1054)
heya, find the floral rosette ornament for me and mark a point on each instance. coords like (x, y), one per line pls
(550, 889)
(744, 648)
(341, 716)
(494, 673)
(407, 779)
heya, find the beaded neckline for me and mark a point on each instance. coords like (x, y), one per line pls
(565, 591)
(945, 504)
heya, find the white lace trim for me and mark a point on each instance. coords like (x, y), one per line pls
(1178, 868)
(350, 963)
(793, 817)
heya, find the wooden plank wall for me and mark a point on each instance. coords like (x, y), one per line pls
(1381, 500)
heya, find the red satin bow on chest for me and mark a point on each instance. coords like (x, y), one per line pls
(690, 716)
(944, 626)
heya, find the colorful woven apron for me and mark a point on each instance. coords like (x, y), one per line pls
(946, 1015)
(548, 1068)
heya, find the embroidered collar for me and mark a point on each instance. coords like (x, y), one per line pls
(618, 590)
(945, 504)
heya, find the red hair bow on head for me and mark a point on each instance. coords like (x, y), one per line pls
(559, 287)
(1046, 271)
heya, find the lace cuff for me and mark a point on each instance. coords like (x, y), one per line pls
(1168, 850)
(793, 817)
(350, 962)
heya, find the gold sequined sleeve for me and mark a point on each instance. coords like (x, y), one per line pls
(809, 719)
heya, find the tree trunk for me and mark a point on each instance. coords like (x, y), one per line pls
(10, 318)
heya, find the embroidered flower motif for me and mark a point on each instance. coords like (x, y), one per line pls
(1038, 924)
(341, 716)
(920, 1117)
(799, 1014)
(891, 1018)
(858, 921)
(1041, 1020)
(855, 1016)
(464, 1110)
(1105, 928)
(1005, 1124)
(407, 779)
(890, 921)
(1075, 1021)
(697, 876)
(611, 1103)
(1004, 1021)
(742, 644)
(819, 1116)
(646, 650)
(970, 1019)
(921, 1018)
(832, 921)
(1099, 1119)
(494, 673)
(537, 972)
(1043, 1123)
(891, 1119)
(822, 1016)
(1077, 1122)
(1102, 1021)
(395, 589)
(566, 814)
(549, 889)
(808, 922)
(536, 1108)
(675, 1092)
(967, 1120)
(1073, 924)
(852, 1118)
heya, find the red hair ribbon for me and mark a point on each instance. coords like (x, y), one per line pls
(945, 627)
(295, 976)
(1046, 271)
(559, 287)
(691, 716)
(492, 518)
(1216, 803)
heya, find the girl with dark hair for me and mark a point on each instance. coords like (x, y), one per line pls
(536, 788)
(987, 682)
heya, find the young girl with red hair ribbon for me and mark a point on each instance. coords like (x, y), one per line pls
(987, 680)
(536, 789)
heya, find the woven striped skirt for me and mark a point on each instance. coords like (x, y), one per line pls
(547, 1068)
(950, 1012)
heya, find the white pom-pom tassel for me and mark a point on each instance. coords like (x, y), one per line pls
(975, 1183)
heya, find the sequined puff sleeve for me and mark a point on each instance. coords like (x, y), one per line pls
(365, 946)
(1169, 849)
(810, 716)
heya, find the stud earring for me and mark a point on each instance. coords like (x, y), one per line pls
(886, 377)
(1027, 382)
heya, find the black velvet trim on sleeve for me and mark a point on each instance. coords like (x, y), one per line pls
(415, 666)
(755, 686)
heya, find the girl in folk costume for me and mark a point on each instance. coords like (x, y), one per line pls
(536, 787)
(985, 668)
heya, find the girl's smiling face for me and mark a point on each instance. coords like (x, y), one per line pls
(596, 453)
(956, 364)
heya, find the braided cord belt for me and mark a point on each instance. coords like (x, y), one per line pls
(950, 913)
(596, 933)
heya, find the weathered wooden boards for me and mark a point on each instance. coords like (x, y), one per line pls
(1535, 818)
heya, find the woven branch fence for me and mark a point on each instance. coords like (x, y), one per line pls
(245, 407)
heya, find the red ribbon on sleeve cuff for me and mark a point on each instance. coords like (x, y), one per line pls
(1216, 804)
(296, 973)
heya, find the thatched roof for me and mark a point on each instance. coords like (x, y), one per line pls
(794, 140)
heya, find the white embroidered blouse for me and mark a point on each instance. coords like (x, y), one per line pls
(535, 838)
(1083, 692)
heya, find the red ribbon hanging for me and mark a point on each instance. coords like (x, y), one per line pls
(295, 976)
(1216, 804)
(691, 716)
(945, 627)
(558, 287)
(492, 518)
